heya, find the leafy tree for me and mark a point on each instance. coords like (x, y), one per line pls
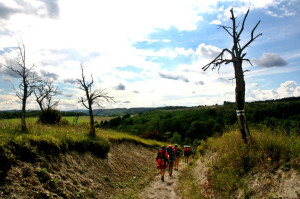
(176, 138)
(237, 57)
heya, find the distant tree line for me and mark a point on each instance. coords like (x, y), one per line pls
(35, 113)
(190, 124)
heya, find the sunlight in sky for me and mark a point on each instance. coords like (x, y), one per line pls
(150, 53)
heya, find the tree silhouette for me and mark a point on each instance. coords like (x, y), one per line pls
(237, 58)
(92, 97)
(28, 82)
(44, 92)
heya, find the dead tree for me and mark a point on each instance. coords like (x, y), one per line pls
(44, 92)
(237, 58)
(92, 97)
(28, 82)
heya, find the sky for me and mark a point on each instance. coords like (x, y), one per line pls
(149, 53)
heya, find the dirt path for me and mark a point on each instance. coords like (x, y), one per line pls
(166, 189)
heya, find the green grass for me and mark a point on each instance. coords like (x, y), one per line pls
(234, 160)
(86, 119)
(81, 119)
(55, 139)
(187, 185)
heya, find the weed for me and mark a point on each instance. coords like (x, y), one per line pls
(43, 175)
(106, 178)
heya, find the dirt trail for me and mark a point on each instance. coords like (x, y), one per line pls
(166, 189)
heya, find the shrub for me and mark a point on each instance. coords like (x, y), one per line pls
(64, 122)
(50, 116)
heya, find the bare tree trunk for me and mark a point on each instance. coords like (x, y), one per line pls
(24, 99)
(240, 101)
(93, 131)
(23, 120)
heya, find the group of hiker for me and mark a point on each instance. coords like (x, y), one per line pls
(168, 157)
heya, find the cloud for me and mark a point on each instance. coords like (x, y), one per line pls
(69, 81)
(6, 12)
(68, 95)
(289, 89)
(49, 75)
(41, 8)
(269, 60)
(199, 83)
(286, 89)
(173, 77)
(166, 40)
(51, 7)
(217, 22)
(9, 73)
(120, 87)
(208, 51)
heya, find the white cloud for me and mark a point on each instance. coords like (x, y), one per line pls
(289, 89)
(286, 89)
(217, 22)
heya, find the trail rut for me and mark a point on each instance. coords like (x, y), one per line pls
(166, 189)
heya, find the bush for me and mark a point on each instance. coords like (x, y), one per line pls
(64, 122)
(50, 116)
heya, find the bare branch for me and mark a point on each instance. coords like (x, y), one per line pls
(226, 29)
(218, 60)
(242, 28)
(252, 37)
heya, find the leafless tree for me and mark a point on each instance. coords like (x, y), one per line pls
(44, 92)
(92, 97)
(237, 58)
(28, 82)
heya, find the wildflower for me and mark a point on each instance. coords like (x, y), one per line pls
(269, 159)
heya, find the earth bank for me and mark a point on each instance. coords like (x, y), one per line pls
(127, 168)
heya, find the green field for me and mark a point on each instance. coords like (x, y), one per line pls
(70, 119)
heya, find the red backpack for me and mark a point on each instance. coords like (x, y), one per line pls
(160, 154)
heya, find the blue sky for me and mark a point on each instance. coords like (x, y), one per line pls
(150, 53)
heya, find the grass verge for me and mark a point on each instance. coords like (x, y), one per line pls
(234, 160)
(55, 139)
(187, 185)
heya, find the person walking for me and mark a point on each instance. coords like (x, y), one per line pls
(161, 159)
(186, 153)
(177, 156)
(171, 154)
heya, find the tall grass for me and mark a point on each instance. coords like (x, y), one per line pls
(55, 139)
(267, 151)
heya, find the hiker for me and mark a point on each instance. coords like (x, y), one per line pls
(193, 153)
(171, 154)
(161, 159)
(177, 156)
(186, 153)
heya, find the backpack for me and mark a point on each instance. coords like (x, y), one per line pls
(160, 154)
(170, 152)
(176, 151)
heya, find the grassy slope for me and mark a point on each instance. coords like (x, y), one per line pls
(234, 165)
(55, 139)
(17, 148)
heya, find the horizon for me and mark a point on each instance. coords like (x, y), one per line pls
(150, 54)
